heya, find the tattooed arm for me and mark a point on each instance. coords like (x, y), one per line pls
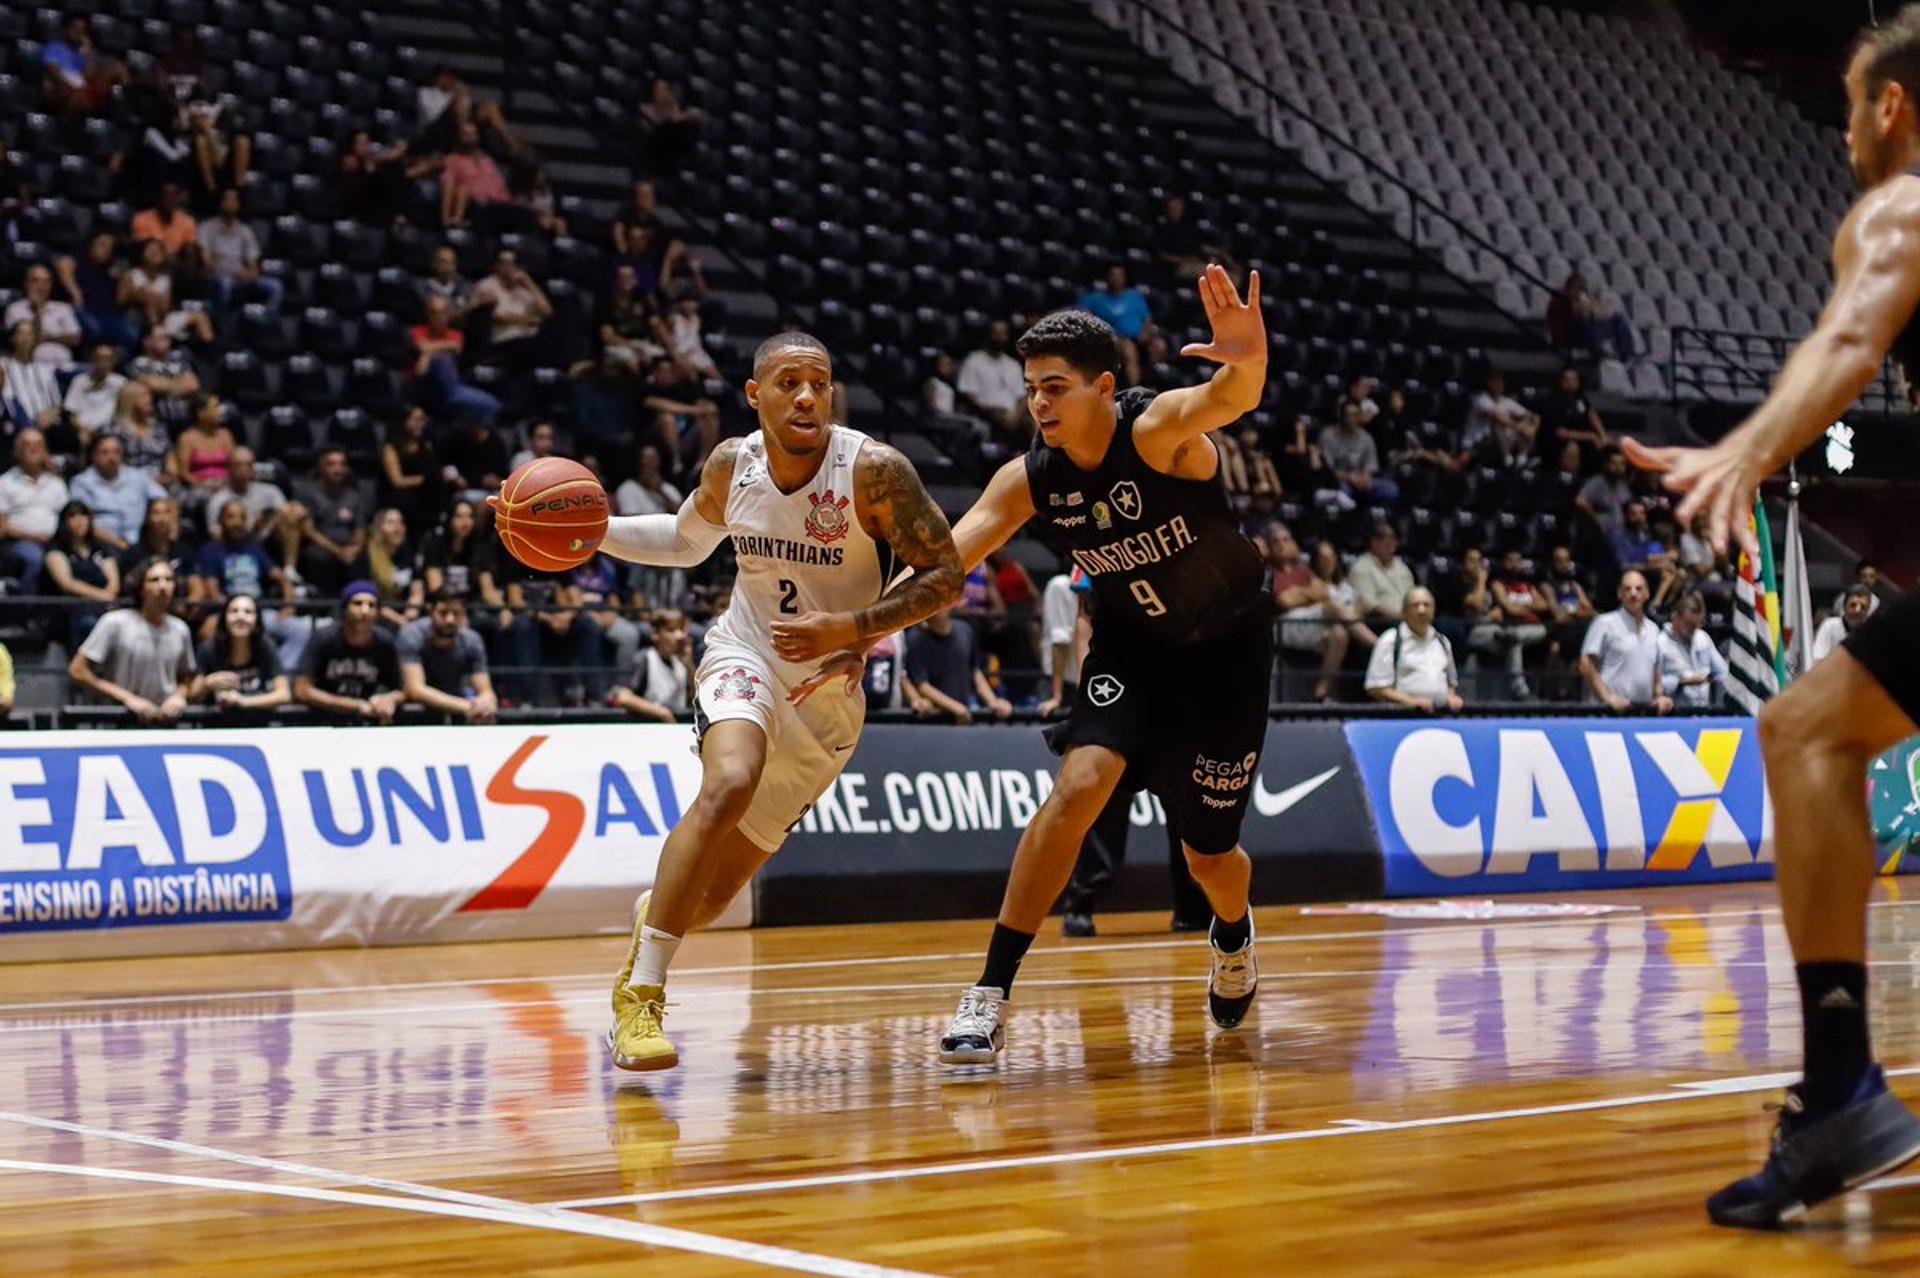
(893, 506)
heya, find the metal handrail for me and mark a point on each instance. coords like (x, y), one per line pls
(1416, 201)
(1732, 353)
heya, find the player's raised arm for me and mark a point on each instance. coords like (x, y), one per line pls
(1876, 261)
(685, 539)
(1239, 346)
(894, 507)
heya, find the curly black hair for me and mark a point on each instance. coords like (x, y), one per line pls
(1084, 340)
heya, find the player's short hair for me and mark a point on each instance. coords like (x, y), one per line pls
(1690, 601)
(446, 594)
(1858, 591)
(1893, 52)
(780, 343)
(1081, 338)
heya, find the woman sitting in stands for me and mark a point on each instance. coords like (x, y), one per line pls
(79, 567)
(388, 562)
(454, 556)
(239, 665)
(204, 451)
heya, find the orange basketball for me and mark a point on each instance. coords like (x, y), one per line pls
(552, 514)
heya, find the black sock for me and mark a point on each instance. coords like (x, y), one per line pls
(1231, 937)
(1004, 953)
(1833, 1015)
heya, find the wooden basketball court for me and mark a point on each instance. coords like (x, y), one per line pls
(1537, 1095)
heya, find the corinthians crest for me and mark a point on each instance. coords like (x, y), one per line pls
(827, 521)
(736, 685)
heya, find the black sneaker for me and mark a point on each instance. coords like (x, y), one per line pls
(1817, 1157)
(1074, 923)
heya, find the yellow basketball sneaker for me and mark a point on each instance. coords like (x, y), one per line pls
(637, 1039)
(633, 950)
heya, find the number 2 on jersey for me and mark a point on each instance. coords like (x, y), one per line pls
(1144, 593)
(789, 595)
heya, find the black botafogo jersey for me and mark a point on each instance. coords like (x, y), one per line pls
(1168, 563)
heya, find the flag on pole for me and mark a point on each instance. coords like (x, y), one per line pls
(1796, 600)
(1753, 663)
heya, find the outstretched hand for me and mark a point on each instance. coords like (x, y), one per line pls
(1239, 331)
(1719, 481)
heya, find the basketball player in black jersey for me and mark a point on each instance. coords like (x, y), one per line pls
(1840, 1125)
(1126, 484)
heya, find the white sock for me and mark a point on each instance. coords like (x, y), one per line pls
(656, 955)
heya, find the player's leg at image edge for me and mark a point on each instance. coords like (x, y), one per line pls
(1839, 1127)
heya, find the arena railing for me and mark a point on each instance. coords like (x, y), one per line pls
(1145, 18)
(1722, 363)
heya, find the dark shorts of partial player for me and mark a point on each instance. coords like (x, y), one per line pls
(1190, 721)
(1887, 644)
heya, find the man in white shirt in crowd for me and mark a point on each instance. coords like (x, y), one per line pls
(1865, 573)
(1412, 665)
(1690, 666)
(1494, 409)
(263, 501)
(56, 322)
(994, 384)
(1620, 657)
(1856, 605)
(1381, 579)
(519, 308)
(664, 672)
(1062, 621)
(92, 395)
(31, 496)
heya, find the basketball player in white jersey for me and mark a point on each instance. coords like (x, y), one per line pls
(807, 504)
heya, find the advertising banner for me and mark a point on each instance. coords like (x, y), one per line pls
(1476, 807)
(924, 821)
(188, 841)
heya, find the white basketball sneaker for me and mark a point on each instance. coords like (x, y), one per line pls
(976, 1035)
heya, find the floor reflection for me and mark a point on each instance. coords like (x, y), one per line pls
(1105, 1045)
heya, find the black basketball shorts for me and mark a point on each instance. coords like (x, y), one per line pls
(1190, 720)
(1888, 645)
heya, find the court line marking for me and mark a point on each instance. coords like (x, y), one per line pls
(506, 1212)
(1709, 1089)
(1721, 919)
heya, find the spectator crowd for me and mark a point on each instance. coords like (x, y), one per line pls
(297, 418)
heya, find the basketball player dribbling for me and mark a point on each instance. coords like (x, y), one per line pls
(808, 504)
(1839, 1126)
(1174, 689)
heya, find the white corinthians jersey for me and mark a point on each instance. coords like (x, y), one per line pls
(799, 552)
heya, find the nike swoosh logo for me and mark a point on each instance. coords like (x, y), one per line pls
(1270, 804)
(842, 749)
